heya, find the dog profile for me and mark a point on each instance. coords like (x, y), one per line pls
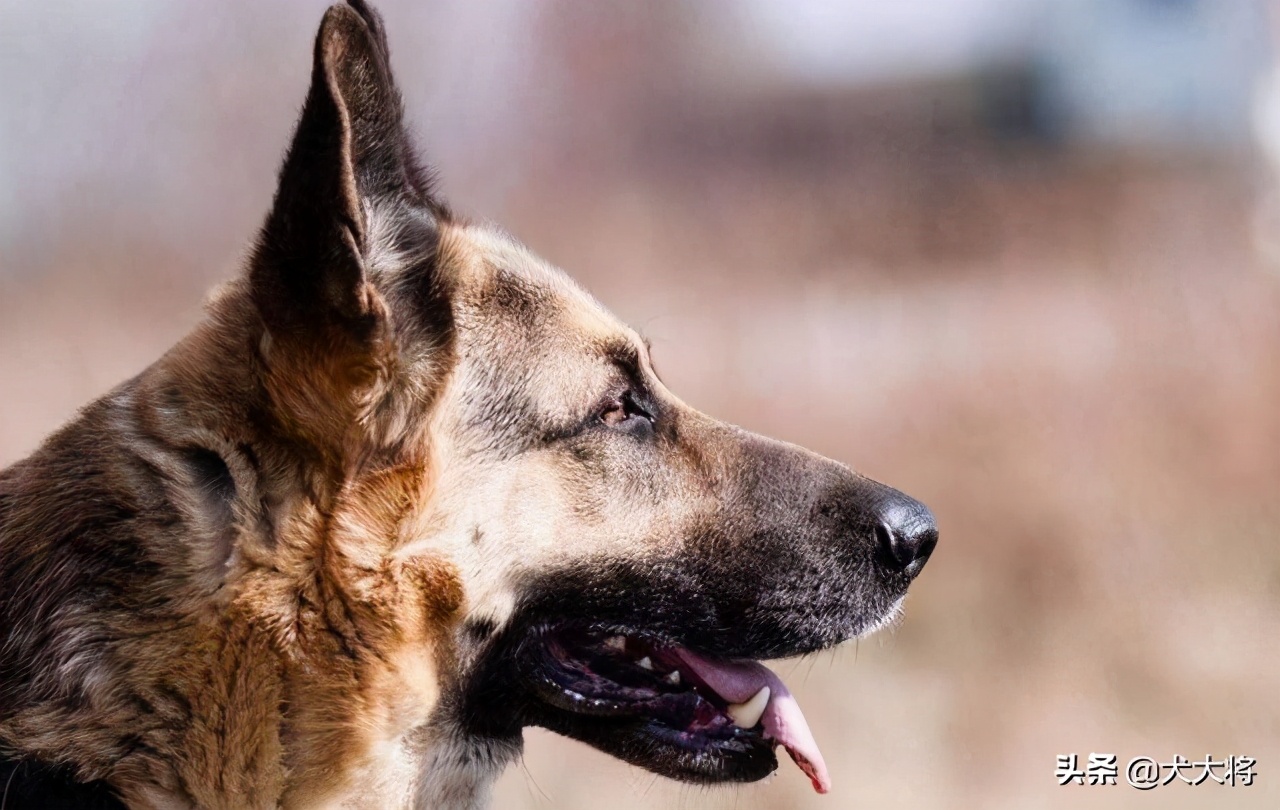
(405, 491)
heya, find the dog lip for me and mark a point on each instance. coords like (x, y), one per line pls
(629, 675)
(615, 675)
(613, 672)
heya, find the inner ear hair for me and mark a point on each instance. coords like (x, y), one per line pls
(349, 153)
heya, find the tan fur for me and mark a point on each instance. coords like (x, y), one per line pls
(313, 651)
(247, 575)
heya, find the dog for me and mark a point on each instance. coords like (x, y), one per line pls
(405, 491)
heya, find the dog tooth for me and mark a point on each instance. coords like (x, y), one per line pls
(673, 677)
(617, 643)
(747, 714)
(645, 663)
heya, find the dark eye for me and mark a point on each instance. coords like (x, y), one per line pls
(625, 413)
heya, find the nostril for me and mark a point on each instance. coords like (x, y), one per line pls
(907, 536)
(903, 548)
(888, 541)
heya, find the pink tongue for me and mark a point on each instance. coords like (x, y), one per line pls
(783, 721)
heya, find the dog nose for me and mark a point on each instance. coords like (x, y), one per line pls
(907, 534)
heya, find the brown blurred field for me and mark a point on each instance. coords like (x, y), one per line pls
(1072, 357)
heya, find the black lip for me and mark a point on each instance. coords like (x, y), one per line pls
(654, 748)
(645, 726)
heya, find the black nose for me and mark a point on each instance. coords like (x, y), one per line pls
(907, 534)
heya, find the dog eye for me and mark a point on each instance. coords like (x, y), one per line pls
(625, 413)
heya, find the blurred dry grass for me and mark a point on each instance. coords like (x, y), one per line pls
(1074, 360)
(1086, 399)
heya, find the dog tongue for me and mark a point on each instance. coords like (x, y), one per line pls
(783, 721)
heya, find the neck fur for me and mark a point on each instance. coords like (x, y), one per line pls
(458, 771)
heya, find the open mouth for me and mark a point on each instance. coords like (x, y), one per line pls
(663, 706)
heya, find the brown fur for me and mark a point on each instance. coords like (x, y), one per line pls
(312, 613)
(294, 562)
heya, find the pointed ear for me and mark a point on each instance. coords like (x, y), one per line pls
(349, 155)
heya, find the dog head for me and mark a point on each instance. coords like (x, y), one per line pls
(624, 559)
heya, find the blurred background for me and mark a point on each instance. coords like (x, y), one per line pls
(1016, 257)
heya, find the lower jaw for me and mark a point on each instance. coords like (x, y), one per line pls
(674, 753)
(695, 743)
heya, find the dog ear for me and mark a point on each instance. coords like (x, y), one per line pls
(350, 157)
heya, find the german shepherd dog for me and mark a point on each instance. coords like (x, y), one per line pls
(406, 490)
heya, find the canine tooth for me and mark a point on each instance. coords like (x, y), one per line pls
(617, 643)
(673, 677)
(746, 715)
(645, 663)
